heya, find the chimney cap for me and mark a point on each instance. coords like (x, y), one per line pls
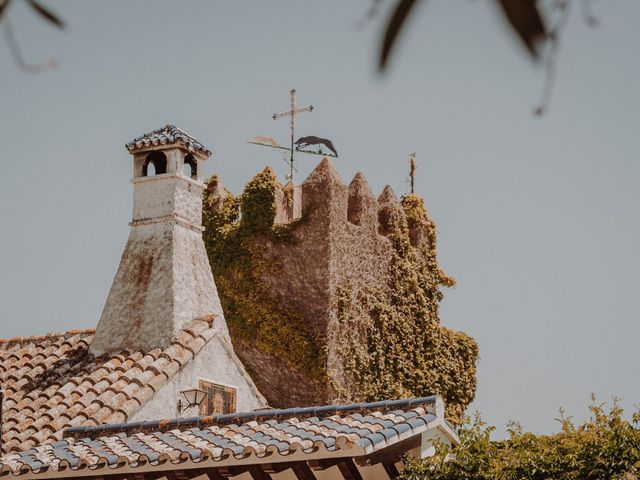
(167, 135)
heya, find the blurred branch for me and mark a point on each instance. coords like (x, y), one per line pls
(397, 21)
(538, 33)
(12, 43)
(553, 37)
(16, 53)
(4, 4)
(45, 13)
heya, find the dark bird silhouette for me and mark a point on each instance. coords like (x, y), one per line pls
(311, 140)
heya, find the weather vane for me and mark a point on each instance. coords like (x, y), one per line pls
(301, 143)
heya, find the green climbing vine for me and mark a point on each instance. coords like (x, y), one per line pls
(390, 343)
(399, 348)
(232, 226)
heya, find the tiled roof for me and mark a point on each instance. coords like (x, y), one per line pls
(226, 440)
(169, 134)
(52, 382)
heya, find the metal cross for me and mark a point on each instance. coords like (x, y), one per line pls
(292, 113)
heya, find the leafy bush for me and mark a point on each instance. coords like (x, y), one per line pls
(606, 446)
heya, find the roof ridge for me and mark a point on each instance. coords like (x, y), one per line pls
(49, 335)
(244, 417)
(91, 330)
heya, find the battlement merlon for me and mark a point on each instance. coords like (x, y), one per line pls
(325, 198)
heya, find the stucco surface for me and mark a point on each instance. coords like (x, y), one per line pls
(216, 362)
(139, 311)
(167, 194)
(164, 279)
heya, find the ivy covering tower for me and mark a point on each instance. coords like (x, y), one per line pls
(340, 303)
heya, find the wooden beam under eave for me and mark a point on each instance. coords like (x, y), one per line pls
(278, 467)
(303, 471)
(391, 469)
(139, 476)
(182, 475)
(188, 474)
(349, 470)
(214, 473)
(256, 472)
(324, 464)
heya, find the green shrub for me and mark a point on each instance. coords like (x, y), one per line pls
(605, 447)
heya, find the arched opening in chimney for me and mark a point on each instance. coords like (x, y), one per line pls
(155, 164)
(190, 168)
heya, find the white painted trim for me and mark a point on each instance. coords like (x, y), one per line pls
(163, 176)
(167, 219)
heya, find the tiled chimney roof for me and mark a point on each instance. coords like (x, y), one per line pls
(167, 135)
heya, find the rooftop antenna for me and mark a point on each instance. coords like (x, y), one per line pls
(295, 146)
(412, 171)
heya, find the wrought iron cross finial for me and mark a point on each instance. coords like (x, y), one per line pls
(292, 114)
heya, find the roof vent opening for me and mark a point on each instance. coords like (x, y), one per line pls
(155, 164)
(190, 167)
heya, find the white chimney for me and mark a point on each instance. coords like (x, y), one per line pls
(164, 279)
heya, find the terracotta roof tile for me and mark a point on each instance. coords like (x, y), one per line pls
(116, 417)
(102, 414)
(117, 386)
(144, 362)
(129, 406)
(197, 328)
(91, 410)
(160, 365)
(207, 334)
(196, 344)
(171, 369)
(100, 387)
(157, 381)
(145, 394)
(52, 382)
(183, 338)
(131, 389)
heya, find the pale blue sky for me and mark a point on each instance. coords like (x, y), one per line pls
(537, 217)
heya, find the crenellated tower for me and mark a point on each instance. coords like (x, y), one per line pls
(338, 302)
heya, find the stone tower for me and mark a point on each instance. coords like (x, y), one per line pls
(164, 279)
(337, 299)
